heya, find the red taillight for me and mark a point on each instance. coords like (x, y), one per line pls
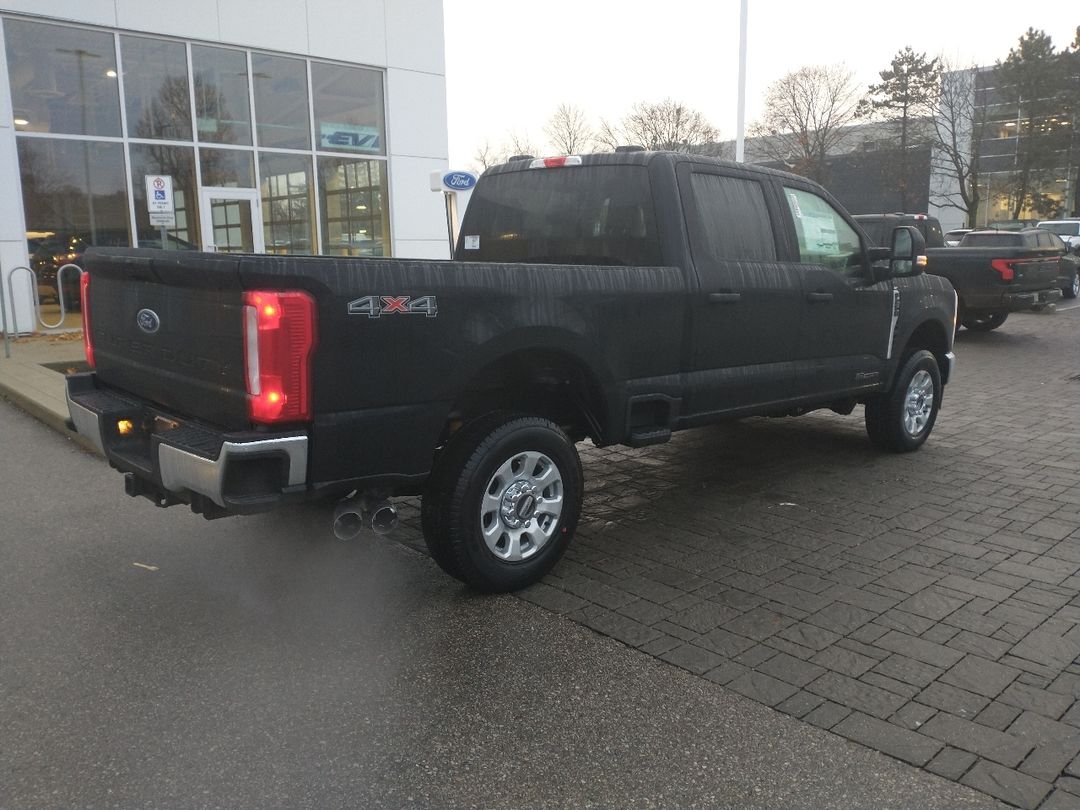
(279, 338)
(84, 299)
(1005, 268)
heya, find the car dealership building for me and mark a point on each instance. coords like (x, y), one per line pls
(284, 126)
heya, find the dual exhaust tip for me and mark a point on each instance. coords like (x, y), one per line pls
(355, 514)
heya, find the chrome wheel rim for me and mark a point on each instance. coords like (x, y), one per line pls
(522, 502)
(1076, 285)
(918, 402)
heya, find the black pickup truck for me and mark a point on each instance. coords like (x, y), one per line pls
(994, 272)
(617, 297)
(998, 272)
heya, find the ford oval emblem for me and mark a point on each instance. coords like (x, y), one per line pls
(148, 321)
(459, 181)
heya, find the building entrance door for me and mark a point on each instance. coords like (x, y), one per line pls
(231, 220)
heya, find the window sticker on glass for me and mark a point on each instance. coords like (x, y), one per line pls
(472, 242)
(795, 205)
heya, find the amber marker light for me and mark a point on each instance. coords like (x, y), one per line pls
(124, 427)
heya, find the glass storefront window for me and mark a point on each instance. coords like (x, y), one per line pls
(156, 94)
(222, 110)
(74, 196)
(227, 168)
(286, 194)
(355, 219)
(179, 163)
(63, 80)
(348, 109)
(74, 129)
(281, 102)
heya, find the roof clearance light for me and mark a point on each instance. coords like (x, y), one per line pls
(555, 162)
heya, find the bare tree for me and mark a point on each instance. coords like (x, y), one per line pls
(959, 124)
(520, 144)
(667, 125)
(487, 156)
(806, 113)
(568, 130)
(607, 137)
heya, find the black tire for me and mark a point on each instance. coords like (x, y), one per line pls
(984, 321)
(1072, 289)
(451, 511)
(887, 417)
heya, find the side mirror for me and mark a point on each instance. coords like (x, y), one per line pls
(908, 252)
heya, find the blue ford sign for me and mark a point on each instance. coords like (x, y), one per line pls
(459, 181)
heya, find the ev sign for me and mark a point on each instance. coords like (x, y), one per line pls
(159, 200)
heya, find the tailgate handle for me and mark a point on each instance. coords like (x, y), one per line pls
(816, 297)
(725, 298)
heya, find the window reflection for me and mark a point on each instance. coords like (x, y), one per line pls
(178, 162)
(227, 168)
(355, 220)
(348, 109)
(281, 102)
(156, 95)
(285, 191)
(63, 80)
(222, 110)
(74, 196)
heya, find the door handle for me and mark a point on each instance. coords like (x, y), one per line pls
(725, 298)
(816, 297)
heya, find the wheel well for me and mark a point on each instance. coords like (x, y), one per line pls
(930, 336)
(542, 382)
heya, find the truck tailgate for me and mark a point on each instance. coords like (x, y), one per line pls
(167, 326)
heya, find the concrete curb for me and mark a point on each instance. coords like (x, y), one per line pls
(45, 415)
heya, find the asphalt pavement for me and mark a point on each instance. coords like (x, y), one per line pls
(149, 658)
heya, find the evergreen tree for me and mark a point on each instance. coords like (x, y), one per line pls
(1033, 80)
(906, 95)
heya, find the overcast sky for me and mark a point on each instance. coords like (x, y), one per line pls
(510, 64)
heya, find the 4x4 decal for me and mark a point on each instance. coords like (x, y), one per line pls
(375, 306)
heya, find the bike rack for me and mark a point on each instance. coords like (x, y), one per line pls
(37, 301)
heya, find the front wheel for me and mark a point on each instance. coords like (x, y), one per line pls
(984, 321)
(901, 419)
(503, 501)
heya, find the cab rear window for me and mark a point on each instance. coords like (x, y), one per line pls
(571, 215)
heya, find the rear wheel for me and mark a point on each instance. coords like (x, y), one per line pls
(503, 502)
(901, 419)
(984, 321)
(1073, 288)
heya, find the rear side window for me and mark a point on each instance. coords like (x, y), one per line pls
(992, 239)
(570, 215)
(824, 236)
(931, 232)
(730, 221)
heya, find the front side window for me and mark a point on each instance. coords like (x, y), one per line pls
(824, 236)
(730, 221)
(63, 80)
(156, 94)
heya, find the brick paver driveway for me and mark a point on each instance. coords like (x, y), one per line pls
(925, 605)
